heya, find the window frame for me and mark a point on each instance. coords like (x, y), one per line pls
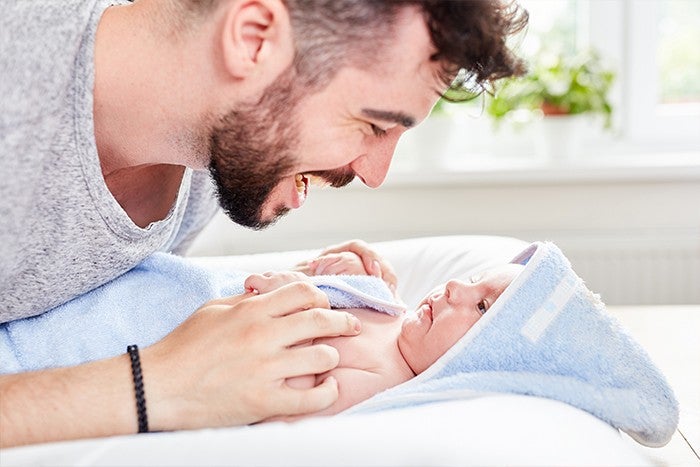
(628, 35)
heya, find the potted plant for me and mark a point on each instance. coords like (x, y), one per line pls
(557, 88)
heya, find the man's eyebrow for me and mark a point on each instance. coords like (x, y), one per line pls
(397, 117)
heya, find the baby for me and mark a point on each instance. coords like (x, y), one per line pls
(531, 327)
(392, 349)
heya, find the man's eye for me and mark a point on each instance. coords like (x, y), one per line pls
(482, 306)
(377, 131)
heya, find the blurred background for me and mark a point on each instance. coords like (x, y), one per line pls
(597, 149)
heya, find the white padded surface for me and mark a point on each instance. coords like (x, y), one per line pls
(487, 430)
(484, 431)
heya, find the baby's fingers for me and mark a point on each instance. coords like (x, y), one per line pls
(256, 283)
(269, 281)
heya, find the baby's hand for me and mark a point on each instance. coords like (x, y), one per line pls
(345, 262)
(269, 281)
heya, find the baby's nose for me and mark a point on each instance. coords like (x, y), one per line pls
(456, 289)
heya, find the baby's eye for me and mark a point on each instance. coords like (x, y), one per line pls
(482, 306)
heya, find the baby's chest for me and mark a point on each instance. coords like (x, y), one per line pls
(373, 348)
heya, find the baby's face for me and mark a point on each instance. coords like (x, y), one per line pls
(448, 312)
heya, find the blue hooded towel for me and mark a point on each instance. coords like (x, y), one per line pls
(144, 305)
(547, 335)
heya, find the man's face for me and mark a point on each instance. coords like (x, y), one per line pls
(262, 157)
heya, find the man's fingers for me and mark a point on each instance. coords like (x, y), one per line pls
(303, 401)
(355, 246)
(231, 300)
(377, 266)
(323, 264)
(306, 360)
(371, 264)
(368, 256)
(317, 322)
(291, 298)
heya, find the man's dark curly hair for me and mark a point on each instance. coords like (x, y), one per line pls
(468, 35)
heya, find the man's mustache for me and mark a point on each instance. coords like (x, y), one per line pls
(336, 178)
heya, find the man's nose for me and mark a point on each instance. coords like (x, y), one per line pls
(373, 166)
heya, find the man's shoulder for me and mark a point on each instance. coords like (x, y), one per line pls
(39, 44)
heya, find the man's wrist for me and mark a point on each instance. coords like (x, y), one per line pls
(139, 394)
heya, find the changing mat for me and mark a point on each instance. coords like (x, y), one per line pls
(144, 305)
(549, 336)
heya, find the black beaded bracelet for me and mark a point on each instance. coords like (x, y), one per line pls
(133, 351)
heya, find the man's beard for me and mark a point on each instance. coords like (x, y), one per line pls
(252, 151)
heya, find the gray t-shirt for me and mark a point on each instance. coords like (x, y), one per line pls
(62, 233)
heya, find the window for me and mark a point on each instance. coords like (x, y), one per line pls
(652, 46)
(678, 53)
(661, 99)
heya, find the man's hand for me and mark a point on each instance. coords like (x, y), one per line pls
(227, 364)
(344, 262)
(372, 262)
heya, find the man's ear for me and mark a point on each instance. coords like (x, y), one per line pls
(256, 39)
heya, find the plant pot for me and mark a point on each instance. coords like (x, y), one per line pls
(558, 138)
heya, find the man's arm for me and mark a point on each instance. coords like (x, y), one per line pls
(226, 365)
(91, 400)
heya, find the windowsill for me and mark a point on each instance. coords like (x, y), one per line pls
(484, 169)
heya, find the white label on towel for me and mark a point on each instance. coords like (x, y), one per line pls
(550, 309)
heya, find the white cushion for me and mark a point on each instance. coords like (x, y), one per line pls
(487, 430)
(492, 430)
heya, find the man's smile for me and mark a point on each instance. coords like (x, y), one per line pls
(303, 181)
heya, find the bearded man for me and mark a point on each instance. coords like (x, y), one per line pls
(123, 123)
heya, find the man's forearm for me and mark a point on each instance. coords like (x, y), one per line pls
(91, 400)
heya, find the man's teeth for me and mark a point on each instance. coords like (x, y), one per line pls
(304, 180)
(315, 180)
(301, 182)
